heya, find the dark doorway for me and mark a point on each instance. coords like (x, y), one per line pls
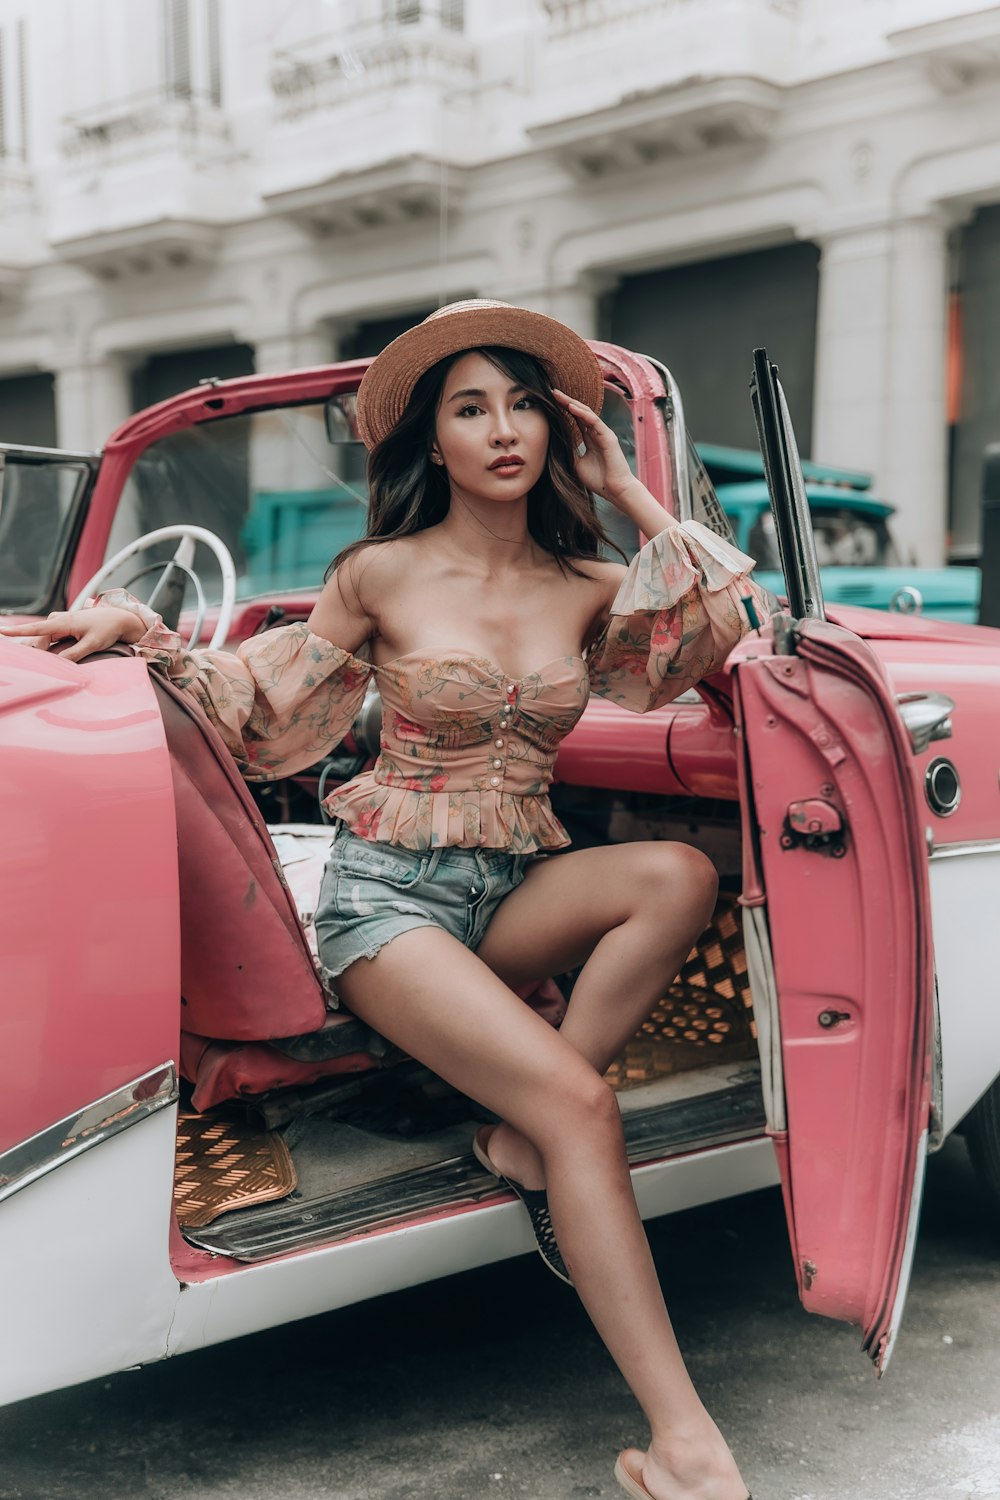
(976, 394)
(704, 321)
(28, 410)
(372, 336)
(164, 375)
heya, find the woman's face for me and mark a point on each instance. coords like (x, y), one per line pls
(490, 435)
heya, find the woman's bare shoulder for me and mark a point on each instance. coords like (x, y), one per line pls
(348, 610)
(605, 577)
(373, 569)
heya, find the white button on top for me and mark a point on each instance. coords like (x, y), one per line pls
(498, 764)
(511, 689)
(494, 781)
(499, 744)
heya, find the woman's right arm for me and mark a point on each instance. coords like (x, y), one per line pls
(280, 701)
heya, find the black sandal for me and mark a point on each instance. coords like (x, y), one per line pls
(631, 1483)
(535, 1201)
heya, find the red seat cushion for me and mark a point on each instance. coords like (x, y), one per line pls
(236, 1070)
(246, 970)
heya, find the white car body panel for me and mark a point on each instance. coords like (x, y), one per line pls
(964, 883)
(298, 1286)
(85, 1272)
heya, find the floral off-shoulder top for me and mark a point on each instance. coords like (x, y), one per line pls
(466, 750)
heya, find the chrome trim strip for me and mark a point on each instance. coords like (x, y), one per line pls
(53, 1147)
(881, 1355)
(968, 846)
(766, 1013)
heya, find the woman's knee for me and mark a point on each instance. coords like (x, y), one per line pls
(585, 1103)
(672, 873)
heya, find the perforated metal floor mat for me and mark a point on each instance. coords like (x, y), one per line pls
(705, 1015)
(225, 1164)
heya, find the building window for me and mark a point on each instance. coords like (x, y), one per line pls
(450, 14)
(192, 54)
(13, 91)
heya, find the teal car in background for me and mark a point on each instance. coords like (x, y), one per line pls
(290, 534)
(858, 559)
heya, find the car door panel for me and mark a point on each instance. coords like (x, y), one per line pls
(847, 912)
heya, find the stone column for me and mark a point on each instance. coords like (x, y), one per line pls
(577, 305)
(880, 369)
(276, 352)
(92, 400)
(287, 465)
(914, 471)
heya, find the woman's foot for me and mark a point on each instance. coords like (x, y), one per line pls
(680, 1475)
(535, 1201)
(515, 1157)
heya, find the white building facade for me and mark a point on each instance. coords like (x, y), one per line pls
(204, 187)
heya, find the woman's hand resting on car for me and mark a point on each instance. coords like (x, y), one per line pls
(91, 629)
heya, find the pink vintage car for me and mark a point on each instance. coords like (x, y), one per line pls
(193, 1146)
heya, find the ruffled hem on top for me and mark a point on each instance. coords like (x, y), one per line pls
(431, 820)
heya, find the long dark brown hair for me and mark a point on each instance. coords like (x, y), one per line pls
(408, 493)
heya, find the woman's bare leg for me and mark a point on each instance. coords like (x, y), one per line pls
(440, 1003)
(632, 912)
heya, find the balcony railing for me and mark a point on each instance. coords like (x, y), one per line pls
(422, 45)
(570, 17)
(111, 131)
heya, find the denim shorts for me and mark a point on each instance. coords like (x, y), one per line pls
(372, 892)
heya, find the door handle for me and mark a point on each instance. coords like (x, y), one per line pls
(927, 717)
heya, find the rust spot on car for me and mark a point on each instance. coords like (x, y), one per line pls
(809, 1274)
(250, 898)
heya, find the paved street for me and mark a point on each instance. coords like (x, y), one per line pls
(492, 1385)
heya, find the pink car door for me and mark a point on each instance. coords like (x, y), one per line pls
(838, 928)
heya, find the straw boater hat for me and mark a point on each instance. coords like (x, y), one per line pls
(388, 382)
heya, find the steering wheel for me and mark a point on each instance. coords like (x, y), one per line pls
(181, 562)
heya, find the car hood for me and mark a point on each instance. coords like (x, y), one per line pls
(882, 625)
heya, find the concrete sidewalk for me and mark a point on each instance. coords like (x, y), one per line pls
(494, 1385)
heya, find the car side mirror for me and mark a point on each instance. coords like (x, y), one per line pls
(340, 418)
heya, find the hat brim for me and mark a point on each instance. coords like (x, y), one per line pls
(389, 381)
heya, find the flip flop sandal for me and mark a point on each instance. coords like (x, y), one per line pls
(535, 1201)
(630, 1484)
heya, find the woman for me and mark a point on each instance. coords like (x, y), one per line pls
(481, 604)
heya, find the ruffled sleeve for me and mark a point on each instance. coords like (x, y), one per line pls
(679, 612)
(280, 701)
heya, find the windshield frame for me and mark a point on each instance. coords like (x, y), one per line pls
(54, 593)
(217, 399)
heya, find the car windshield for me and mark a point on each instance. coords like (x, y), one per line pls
(285, 489)
(39, 498)
(705, 504)
(844, 539)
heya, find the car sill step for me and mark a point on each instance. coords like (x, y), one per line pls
(719, 1118)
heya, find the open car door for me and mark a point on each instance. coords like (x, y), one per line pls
(838, 929)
